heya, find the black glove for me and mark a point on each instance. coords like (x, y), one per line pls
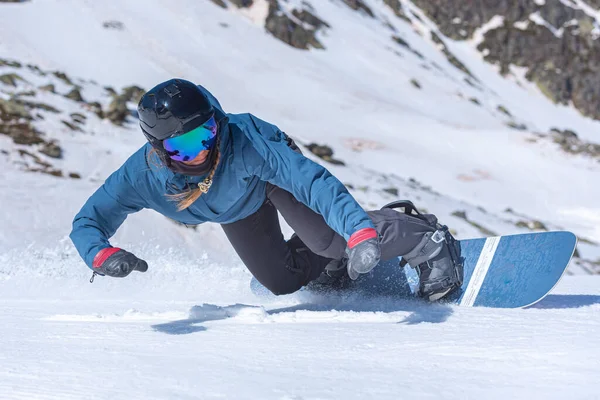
(363, 252)
(117, 263)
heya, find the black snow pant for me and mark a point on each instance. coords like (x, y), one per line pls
(285, 266)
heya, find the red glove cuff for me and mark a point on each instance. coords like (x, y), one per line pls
(103, 255)
(361, 235)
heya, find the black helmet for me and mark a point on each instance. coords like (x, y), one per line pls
(173, 107)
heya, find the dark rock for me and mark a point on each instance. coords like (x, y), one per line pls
(569, 141)
(29, 93)
(458, 19)
(416, 16)
(36, 69)
(21, 133)
(284, 28)
(74, 175)
(11, 79)
(504, 110)
(334, 161)
(220, 3)
(35, 158)
(48, 88)
(10, 63)
(113, 25)
(117, 111)
(96, 108)
(460, 214)
(532, 225)
(32, 105)
(324, 152)
(566, 68)
(359, 5)
(517, 126)
(63, 77)
(391, 190)
(111, 91)
(593, 3)
(557, 14)
(405, 44)
(396, 7)
(51, 149)
(320, 150)
(11, 110)
(71, 126)
(310, 19)
(133, 93)
(54, 172)
(78, 118)
(449, 55)
(242, 3)
(75, 95)
(401, 42)
(475, 101)
(415, 83)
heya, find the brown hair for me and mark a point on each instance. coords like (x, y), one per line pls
(187, 198)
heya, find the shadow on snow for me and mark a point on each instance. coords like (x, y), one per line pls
(421, 312)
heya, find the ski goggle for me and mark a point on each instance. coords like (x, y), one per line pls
(187, 146)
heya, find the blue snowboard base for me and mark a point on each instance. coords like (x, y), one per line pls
(512, 271)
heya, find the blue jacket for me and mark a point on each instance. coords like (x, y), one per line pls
(253, 152)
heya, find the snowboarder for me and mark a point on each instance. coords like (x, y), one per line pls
(203, 165)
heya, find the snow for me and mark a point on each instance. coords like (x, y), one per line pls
(147, 343)
(190, 327)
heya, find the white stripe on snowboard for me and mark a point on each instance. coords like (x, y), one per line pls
(480, 271)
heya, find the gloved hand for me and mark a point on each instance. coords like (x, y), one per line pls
(117, 263)
(363, 252)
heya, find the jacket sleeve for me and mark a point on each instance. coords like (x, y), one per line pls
(309, 182)
(103, 213)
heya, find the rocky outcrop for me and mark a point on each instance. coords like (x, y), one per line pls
(449, 55)
(118, 110)
(324, 152)
(75, 95)
(593, 3)
(15, 122)
(359, 5)
(220, 3)
(10, 63)
(552, 40)
(298, 29)
(396, 7)
(458, 19)
(571, 143)
(11, 79)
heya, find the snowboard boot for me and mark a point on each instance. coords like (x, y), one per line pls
(437, 257)
(333, 278)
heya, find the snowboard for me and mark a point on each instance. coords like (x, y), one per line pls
(512, 271)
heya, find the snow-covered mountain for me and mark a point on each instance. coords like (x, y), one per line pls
(410, 106)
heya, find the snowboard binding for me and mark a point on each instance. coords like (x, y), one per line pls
(437, 258)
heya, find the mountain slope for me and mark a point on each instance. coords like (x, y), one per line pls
(409, 112)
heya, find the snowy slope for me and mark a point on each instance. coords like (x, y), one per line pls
(190, 327)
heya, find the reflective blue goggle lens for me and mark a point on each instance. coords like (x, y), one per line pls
(186, 147)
